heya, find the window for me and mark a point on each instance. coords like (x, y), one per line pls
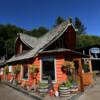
(1, 71)
(25, 71)
(10, 68)
(95, 52)
(47, 68)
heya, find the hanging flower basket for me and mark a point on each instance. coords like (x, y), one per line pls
(33, 70)
(6, 70)
(17, 70)
(67, 64)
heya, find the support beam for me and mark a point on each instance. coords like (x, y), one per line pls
(81, 77)
(90, 66)
(80, 73)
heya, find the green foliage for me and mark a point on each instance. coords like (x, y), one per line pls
(80, 26)
(17, 70)
(43, 85)
(33, 69)
(6, 70)
(38, 32)
(8, 35)
(59, 20)
(86, 68)
(9, 32)
(87, 40)
(76, 22)
(68, 84)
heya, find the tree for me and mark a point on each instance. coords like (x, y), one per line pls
(84, 40)
(38, 32)
(80, 26)
(59, 20)
(8, 34)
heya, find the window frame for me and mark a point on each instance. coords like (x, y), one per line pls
(23, 73)
(46, 81)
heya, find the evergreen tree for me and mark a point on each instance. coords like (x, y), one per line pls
(80, 26)
(59, 20)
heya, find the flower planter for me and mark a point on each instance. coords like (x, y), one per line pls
(74, 89)
(43, 90)
(64, 91)
(87, 78)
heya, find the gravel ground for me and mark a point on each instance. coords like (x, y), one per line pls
(7, 93)
(93, 93)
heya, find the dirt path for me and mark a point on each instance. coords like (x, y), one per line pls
(93, 93)
(7, 93)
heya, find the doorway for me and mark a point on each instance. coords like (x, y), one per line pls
(96, 65)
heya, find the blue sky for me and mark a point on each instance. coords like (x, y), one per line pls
(30, 14)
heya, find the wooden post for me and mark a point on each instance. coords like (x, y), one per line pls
(81, 77)
(90, 65)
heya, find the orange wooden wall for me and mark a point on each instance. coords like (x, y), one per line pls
(60, 76)
(59, 59)
(37, 63)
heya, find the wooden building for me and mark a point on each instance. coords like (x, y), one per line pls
(48, 53)
(94, 55)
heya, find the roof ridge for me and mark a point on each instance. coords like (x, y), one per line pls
(27, 39)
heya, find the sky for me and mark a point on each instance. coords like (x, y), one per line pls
(30, 14)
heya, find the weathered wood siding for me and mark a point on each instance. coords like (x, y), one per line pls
(70, 38)
(59, 74)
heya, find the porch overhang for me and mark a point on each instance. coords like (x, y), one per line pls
(71, 52)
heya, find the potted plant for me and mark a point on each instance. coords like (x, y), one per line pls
(43, 88)
(33, 70)
(6, 72)
(68, 67)
(64, 88)
(16, 71)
